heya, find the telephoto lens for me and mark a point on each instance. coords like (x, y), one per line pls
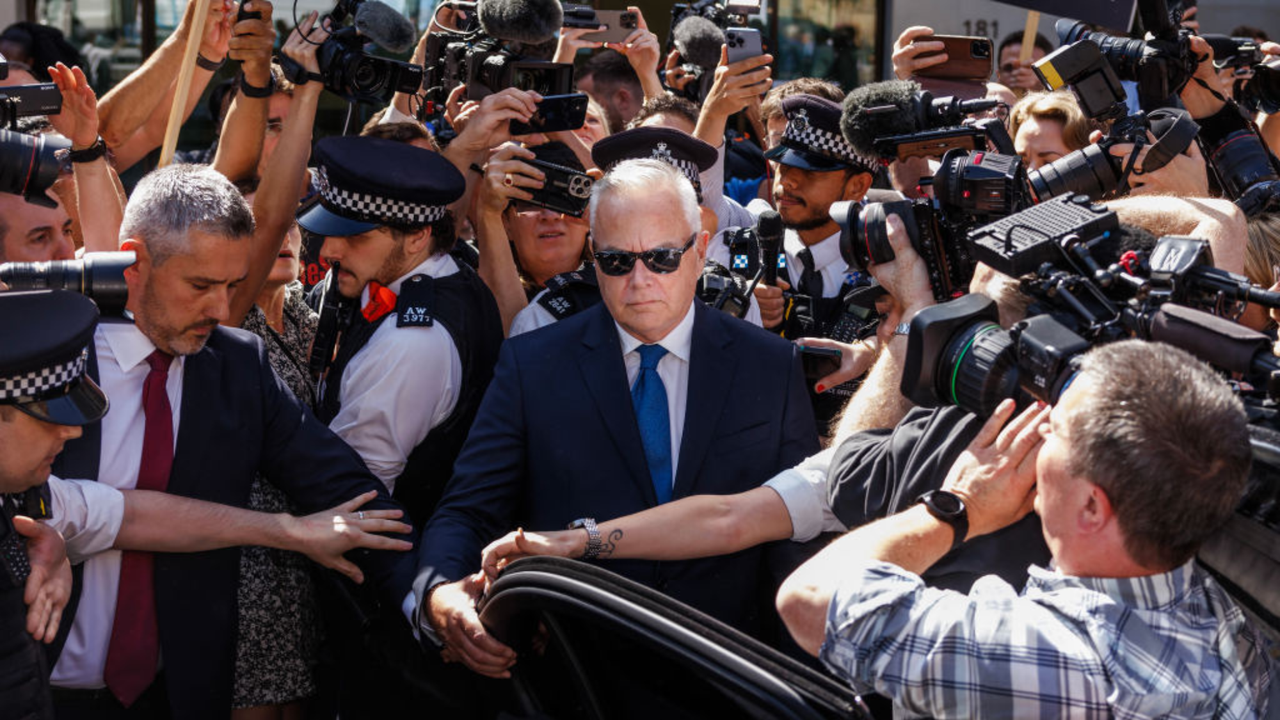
(864, 236)
(97, 276)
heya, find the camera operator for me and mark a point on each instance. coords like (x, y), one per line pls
(1143, 458)
(1046, 126)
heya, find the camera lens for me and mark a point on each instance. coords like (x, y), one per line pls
(1087, 171)
(866, 241)
(978, 368)
(1241, 161)
(980, 49)
(28, 166)
(98, 276)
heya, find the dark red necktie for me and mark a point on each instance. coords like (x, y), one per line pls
(134, 652)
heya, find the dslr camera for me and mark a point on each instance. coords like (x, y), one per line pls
(351, 73)
(968, 189)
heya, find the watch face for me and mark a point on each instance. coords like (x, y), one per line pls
(946, 502)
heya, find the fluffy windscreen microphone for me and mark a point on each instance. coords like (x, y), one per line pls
(531, 22)
(698, 40)
(387, 28)
(879, 110)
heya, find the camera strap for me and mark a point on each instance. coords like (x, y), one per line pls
(1175, 131)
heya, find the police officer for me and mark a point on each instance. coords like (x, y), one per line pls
(570, 293)
(45, 397)
(816, 167)
(410, 370)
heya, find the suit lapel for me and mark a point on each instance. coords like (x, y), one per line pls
(606, 378)
(201, 377)
(711, 372)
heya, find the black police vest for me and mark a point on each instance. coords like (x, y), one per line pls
(570, 293)
(463, 305)
(24, 667)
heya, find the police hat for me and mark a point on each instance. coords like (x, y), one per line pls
(812, 140)
(687, 153)
(367, 182)
(44, 354)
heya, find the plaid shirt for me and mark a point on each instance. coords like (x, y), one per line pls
(1169, 645)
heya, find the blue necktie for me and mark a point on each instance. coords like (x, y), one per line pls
(649, 398)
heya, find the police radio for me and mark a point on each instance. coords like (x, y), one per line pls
(335, 316)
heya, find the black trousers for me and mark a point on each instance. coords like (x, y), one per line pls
(102, 705)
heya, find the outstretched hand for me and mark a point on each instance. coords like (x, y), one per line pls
(49, 585)
(326, 535)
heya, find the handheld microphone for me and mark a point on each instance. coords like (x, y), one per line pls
(385, 27)
(769, 231)
(698, 40)
(531, 22)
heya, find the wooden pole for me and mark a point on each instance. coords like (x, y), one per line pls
(1029, 37)
(184, 82)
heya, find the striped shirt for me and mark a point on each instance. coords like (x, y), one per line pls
(1172, 645)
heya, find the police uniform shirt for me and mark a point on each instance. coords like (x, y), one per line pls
(728, 212)
(400, 385)
(827, 261)
(534, 315)
(122, 371)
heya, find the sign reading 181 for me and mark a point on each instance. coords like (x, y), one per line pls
(980, 28)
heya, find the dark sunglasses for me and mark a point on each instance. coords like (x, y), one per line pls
(659, 260)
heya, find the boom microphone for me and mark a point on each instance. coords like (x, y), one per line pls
(531, 22)
(769, 231)
(698, 40)
(387, 28)
(892, 112)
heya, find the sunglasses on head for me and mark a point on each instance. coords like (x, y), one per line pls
(658, 260)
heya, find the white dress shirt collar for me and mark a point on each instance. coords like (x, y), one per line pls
(678, 342)
(128, 344)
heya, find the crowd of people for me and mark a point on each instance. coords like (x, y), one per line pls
(200, 521)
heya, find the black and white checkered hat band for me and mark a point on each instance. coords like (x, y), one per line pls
(39, 382)
(801, 133)
(374, 209)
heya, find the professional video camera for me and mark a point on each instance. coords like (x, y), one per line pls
(98, 276)
(968, 189)
(1160, 66)
(724, 290)
(724, 13)
(351, 73)
(1092, 170)
(896, 120)
(958, 354)
(491, 57)
(1257, 83)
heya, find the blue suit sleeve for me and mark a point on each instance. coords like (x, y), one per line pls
(799, 431)
(482, 499)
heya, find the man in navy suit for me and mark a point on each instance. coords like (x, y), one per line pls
(646, 397)
(196, 411)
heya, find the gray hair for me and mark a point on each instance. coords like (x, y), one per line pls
(1166, 440)
(170, 202)
(639, 178)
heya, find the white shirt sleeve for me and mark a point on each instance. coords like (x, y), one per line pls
(532, 317)
(803, 490)
(88, 514)
(394, 391)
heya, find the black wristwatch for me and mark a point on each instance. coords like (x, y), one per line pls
(593, 537)
(949, 508)
(254, 91)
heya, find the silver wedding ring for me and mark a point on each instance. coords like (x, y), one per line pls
(360, 514)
